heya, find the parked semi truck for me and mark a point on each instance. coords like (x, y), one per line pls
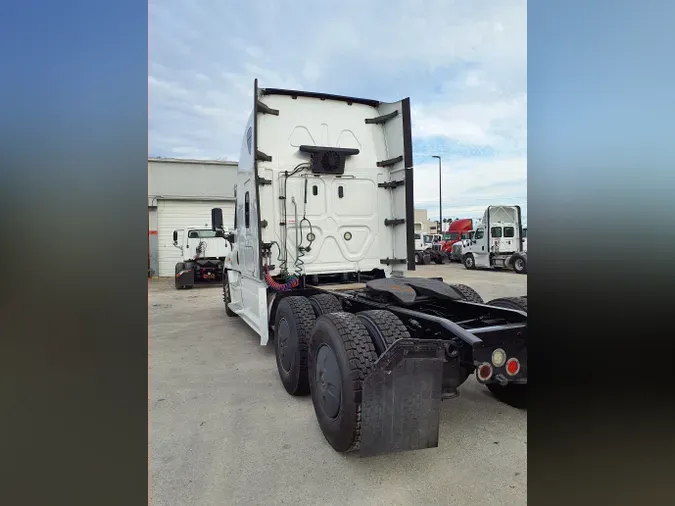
(497, 241)
(457, 252)
(203, 252)
(422, 256)
(434, 247)
(456, 230)
(428, 248)
(324, 193)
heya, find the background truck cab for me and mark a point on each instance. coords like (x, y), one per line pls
(497, 241)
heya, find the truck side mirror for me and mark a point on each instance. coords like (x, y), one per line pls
(216, 219)
(175, 237)
(230, 237)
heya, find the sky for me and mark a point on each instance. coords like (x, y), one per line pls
(463, 63)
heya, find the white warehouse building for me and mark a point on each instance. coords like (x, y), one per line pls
(181, 193)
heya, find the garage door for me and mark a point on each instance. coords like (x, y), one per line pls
(177, 214)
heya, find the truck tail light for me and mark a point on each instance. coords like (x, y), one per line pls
(484, 371)
(512, 366)
(498, 357)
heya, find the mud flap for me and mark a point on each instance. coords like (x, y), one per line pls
(400, 409)
(185, 278)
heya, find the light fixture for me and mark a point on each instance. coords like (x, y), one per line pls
(498, 357)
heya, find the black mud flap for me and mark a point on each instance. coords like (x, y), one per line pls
(185, 278)
(400, 409)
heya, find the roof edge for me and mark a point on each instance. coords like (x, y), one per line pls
(192, 160)
(322, 96)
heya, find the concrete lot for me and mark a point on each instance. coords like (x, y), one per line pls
(223, 431)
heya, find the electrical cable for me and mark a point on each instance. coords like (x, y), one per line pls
(275, 243)
(291, 282)
(302, 249)
(284, 264)
(298, 264)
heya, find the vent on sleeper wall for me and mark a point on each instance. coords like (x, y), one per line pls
(328, 160)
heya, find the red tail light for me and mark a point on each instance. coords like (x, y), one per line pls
(484, 372)
(512, 366)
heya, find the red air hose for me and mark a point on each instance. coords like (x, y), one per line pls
(291, 282)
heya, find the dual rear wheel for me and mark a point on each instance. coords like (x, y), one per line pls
(327, 352)
(422, 258)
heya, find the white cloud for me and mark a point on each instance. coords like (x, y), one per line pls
(463, 63)
(470, 185)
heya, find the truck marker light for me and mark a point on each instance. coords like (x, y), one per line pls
(498, 357)
(348, 236)
(512, 366)
(484, 371)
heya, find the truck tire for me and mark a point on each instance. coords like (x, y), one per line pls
(179, 267)
(442, 258)
(383, 327)
(226, 296)
(325, 303)
(468, 293)
(418, 259)
(293, 324)
(341, 355)
(426, 258)
(469, 261)
(519, 303)
(512, 394)
(519, 263)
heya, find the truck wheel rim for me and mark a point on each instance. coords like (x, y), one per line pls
(469, 261)
(327, 381)
(286, 345)
(520, 264)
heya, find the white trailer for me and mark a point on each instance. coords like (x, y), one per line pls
(497, 241)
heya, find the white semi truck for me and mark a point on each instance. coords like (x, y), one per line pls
(203, 253)
(428, 249)
(497, 241)
(324, 194)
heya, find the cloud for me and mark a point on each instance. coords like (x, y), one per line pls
(471, 184)
(462, 63)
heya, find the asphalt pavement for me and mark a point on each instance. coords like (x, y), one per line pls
(223, 431)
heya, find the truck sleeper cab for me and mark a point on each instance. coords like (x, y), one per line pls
(376, 357)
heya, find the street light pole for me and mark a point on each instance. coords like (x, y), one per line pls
(440, 200)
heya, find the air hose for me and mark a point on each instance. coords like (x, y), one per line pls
(292, 281)
(301, 250)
